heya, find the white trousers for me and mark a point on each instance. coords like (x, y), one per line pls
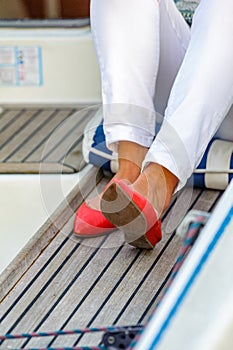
(153, 65)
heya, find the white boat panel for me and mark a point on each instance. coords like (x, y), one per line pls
(195, 313)
(26, 202)
(48, 66)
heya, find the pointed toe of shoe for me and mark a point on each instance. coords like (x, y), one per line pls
(91, 223)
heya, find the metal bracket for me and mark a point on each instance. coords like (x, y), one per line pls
(120, 339)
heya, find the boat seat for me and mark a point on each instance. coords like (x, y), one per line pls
(215, 170)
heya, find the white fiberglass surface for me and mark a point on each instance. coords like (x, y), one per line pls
(26, 202)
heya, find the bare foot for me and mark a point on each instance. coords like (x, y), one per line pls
(157, 184)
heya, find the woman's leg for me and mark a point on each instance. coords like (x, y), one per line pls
(132, 58)
(201, 96)
(127, 36)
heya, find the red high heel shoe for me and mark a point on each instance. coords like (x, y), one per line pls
(130, 211)
(91, 223)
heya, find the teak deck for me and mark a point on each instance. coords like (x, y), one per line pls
(42, 140)
(62, 282)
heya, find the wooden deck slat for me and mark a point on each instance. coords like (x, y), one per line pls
(23, 135)
(80, 289)
(9, 134)
(38, 307)
(82, 284)
(74, 158)
(7, 117)
(53, 139)
(25, 142)
(183, 202)
(128, 302)
(206, 201)
(84, 256)
(24, 285)
(58, 147)
(70, 132)
(139, 298)
(37, 167)
(40, 139)
(49, 137)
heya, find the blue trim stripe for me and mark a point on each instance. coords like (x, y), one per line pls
(16, 51)
(40, 63)
(192, 278)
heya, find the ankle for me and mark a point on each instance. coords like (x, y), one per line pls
(132, 151)
(171, 181)
(128, 170)
(157, 184)
(130, 158)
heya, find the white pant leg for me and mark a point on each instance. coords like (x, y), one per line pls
(202, 93)
(128, 36)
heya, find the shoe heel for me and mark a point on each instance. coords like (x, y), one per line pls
(149, 239)
(133, 214)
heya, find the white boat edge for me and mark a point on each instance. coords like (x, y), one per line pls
(191, 297)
